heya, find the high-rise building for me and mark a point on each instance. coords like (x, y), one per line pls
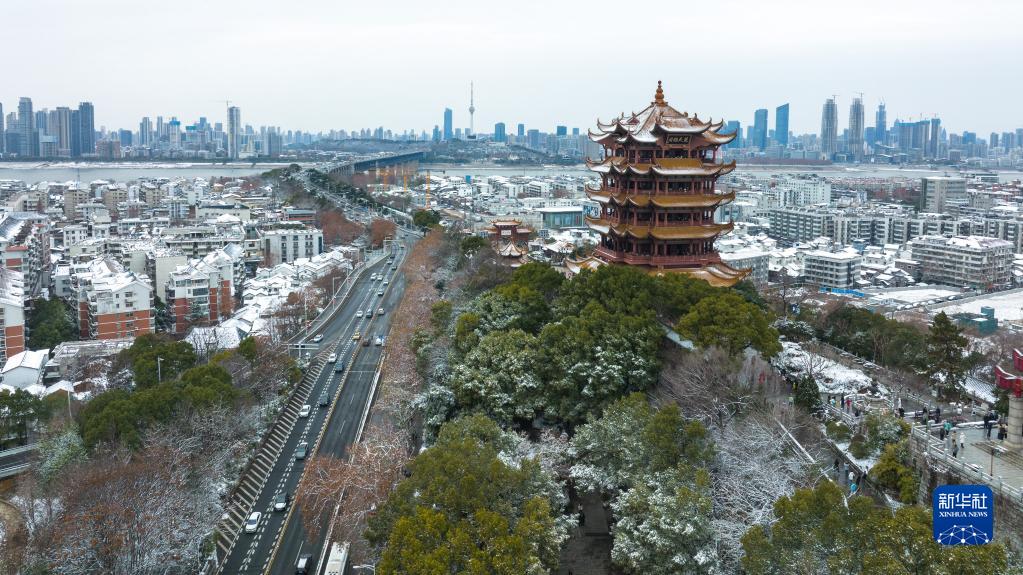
(661, 218)
(27, 128)
(3, 131)
(734, 127)
(881, 125)
(760, 128)
(561, 131)
(932, 144)
(234, 126)
(87, 128)
(520, 131)
(781, 125)
(146, 132)
(449, 132)
(829, 129)
(856, 130)
(499, 134)
(60, 129)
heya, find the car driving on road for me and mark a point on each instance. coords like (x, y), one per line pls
(305, 411)
(302, 450)
(281, 501)
(318, 338)
(252, 523)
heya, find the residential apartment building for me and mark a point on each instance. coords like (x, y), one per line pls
(964, 261)
(12, 314)
(112, 302)
(838, 270)
(201, 292)
(25, 247)
(942, 194)
(285, 245)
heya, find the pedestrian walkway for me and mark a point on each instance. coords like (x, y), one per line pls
(588, 549)
(990, 456)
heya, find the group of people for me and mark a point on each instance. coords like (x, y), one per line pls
(845, 404)
(991, 419)
(957, 440)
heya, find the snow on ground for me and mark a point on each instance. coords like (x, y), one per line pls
(911, 296)
(1008, 305)
(833, 377)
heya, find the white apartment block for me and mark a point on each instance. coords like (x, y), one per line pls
(286, 245)
(964, 261)
(838, 270)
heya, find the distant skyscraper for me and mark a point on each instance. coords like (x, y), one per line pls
(760, 128)
(520, 131)
(146, 132)
(534, 139)
(932, 144)
(881, 125)
(561, 131)
(734, 127)
(781, 125)
(499, 134)
(26, 127)
(829, 129)
(3, 131)
(60, 127)
(856, 130)
(87, 127)
(449, 132)
(234, 127)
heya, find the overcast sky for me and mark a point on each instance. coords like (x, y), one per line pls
(322, 64)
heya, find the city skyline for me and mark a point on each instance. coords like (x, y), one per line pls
(417, 60)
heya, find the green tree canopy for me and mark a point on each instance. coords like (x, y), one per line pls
(149, 349)
(726, 320)
(946, 357)
(464, 509)
(818, 533)
(425, 219)
(121, 416)
(498, 377)
(49, 323)
(540, 277)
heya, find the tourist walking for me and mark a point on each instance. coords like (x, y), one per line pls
(1002, 432)
(955, 448)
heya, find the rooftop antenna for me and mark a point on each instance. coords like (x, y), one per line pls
(472, 108)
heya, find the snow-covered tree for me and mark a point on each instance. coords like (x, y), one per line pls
(498, 377)
(664, 528)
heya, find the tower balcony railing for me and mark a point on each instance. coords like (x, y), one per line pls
(639, 259)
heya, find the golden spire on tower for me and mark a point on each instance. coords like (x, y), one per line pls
(659, 95)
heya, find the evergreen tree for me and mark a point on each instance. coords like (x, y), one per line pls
(808, 395)
(946, 357)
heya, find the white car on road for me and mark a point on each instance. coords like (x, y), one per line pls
(332, 358)
(252, 523)
(305, 411)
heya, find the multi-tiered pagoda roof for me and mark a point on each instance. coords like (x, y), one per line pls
(657, 193)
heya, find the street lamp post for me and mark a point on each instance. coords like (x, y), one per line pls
(159, 375)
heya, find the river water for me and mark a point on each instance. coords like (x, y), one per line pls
(31, 173)
(121, 172)
(825, 171)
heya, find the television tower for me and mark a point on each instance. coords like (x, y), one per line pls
(472, 109)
